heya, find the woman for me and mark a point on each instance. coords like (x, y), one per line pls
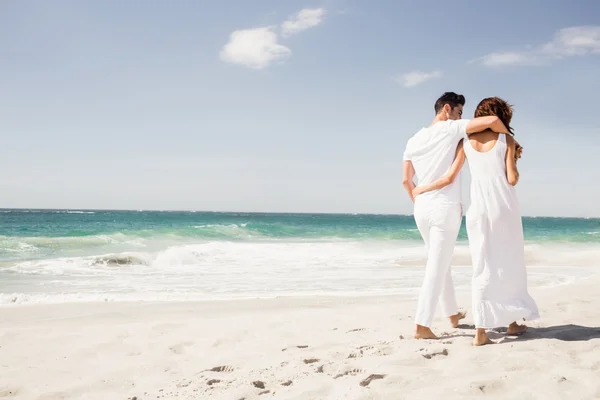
(494, 227)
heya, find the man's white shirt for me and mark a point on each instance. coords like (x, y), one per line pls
(432, 151)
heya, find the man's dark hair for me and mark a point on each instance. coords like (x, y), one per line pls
(450, 98)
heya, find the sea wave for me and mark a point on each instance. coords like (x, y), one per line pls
(229, 269)
(221, 254)
(12, 247)
(248, 231)
(23, 244)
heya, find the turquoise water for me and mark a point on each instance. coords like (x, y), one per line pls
(58, 223)
(61, 255)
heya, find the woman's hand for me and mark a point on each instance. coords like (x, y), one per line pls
(416, 191)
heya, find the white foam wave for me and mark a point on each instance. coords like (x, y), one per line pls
(21, 247)
(223, 270)
(8, 299)
(408, 286)
(238, 231)
(15, 244)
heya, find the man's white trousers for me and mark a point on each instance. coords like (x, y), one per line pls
(438, 224)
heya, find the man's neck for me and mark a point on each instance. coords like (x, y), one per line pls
(438, 118)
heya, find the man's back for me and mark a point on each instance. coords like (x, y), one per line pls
(431, 151)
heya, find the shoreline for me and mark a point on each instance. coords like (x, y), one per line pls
(540, 278)
(114, 350)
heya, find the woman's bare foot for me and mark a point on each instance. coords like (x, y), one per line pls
(481, 338)
(455, 319)
(423, 332)
(515, 329)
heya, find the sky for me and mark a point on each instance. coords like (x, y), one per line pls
(295, 106)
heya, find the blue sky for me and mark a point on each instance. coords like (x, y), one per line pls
(284, 106)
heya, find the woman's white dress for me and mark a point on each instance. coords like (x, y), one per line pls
(495, 232)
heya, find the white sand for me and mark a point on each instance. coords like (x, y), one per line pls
(118, 351)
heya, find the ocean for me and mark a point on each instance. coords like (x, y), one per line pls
(60, 256)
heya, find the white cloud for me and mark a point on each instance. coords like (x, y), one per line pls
(575, 41)
(567, 42)
(417, 77)
(507, 58)
(259, 47)
(305, 19)
(254, 48)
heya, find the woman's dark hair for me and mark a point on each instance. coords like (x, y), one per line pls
(498, 107)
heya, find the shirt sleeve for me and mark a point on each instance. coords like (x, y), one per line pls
(460, 128)
(407, 155)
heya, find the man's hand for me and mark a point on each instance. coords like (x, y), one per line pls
(518, 150)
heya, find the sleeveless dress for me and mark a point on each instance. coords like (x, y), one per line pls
(496, 242)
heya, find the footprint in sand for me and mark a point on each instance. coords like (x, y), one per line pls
(258, 384)
(221, 368)
(370, 378)
(487, 387)
(385, 351)
(353, 371)
(356, 330)
(311, 360)
(212, 382)
(438, 353)
(8, 392)
(178, 348)
(301, 346)
(369, 350)
(287, 383)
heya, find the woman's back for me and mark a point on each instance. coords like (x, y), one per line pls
(483, 141)
(486, 153)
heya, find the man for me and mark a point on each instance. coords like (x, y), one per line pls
(438, 214)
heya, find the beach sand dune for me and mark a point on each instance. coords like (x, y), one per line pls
(313, 348)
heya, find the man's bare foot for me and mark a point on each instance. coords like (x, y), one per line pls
(515, 329)
(455, 319)
(481, 338)
(423, 332)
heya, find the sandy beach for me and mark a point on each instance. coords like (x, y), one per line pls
(312, 348)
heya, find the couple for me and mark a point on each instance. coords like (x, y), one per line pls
(435, 155)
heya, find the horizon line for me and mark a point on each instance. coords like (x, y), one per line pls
(249, 212)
